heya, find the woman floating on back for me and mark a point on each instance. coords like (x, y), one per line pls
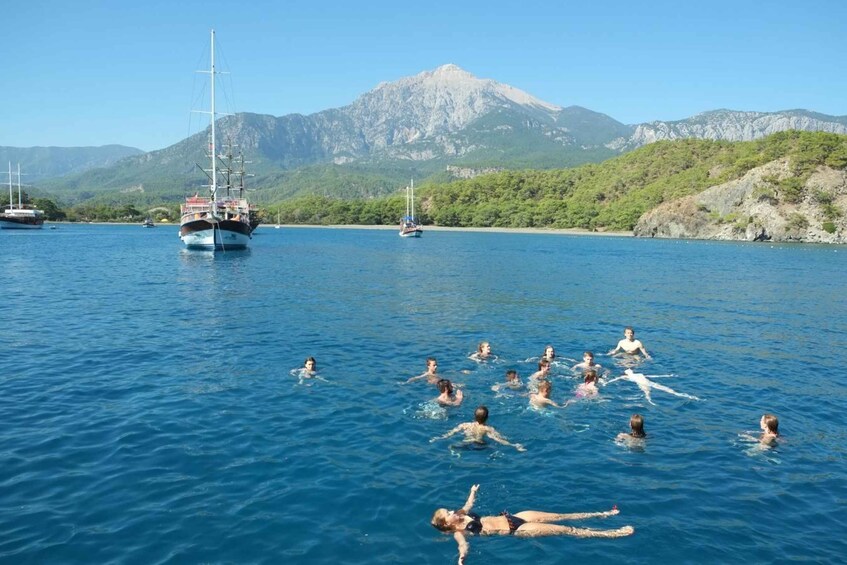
(527, 524)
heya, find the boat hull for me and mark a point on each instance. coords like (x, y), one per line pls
(417, 232)
(24, 223)
(224, 235)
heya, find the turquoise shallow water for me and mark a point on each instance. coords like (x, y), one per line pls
(149, 414)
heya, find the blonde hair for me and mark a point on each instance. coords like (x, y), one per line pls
(439, 520)
(544, 386)
(772, 423)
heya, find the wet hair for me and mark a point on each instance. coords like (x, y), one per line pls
(481, 415)
(544, 362)
(590, 376)
(637, 425)
(771, 423)
(511, 373)
(431, 360)
(481, 345)
(312, 359)
(545, 352)
(445, 385)
(439, 520)
(629, 328)
(589, 353)
(544, 386)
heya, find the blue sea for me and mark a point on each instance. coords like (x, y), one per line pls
(151, 412)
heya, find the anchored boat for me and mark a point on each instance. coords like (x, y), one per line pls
(217, 222)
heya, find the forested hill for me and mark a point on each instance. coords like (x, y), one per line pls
(608, 196)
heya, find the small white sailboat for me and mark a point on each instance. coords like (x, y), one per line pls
(20, 217)
(277, 226)
(408, 224)
(213, 222)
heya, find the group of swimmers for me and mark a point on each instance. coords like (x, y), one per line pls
(530, 523)
(463, 522)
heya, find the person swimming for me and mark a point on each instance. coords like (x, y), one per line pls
(476, 431)
(513, 382)
(528, 523)
(636, 427)
(540, 375)
(587, 363)
(646, 384)
(770, 429)
(447, 396)
(588, 388)
(483, 352)
(549, 353)
(431, 373)
(630, 345)
(541, 399)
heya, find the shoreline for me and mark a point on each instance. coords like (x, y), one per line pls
(546, 231)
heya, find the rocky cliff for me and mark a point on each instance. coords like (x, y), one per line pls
(762, 205)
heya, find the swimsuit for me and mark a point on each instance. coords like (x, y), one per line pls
(514, 521)
(475, 525)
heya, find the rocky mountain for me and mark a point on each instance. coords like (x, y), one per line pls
(729, 125)
(422, 126)
(47, 162)
(758, 206)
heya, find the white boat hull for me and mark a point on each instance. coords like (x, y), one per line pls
(411, 233)
(215, 239)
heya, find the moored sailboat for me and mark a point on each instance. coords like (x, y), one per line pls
(408, 224)
(20, 217)
(216, 222)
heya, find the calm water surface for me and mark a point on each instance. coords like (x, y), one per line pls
(149, 414)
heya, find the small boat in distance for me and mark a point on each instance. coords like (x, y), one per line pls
(216, 222)
(148, 223)
(408, 225)
(277, 226)
(20, 217)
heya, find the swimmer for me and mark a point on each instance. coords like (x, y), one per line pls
(770, 429)
(636, 425)
(540, 374)
(630, 345)
(646, 384)
(513, 382)
(587, 363)
(447, 397)
(541, 399)
(476, 431)
(310, 367)
(483, 352)
(527, 524)
(431, 373)
(549, 353)
(588, 389)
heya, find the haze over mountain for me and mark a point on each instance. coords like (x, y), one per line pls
(415, 127)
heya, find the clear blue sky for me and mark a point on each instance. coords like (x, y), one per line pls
(95, 72)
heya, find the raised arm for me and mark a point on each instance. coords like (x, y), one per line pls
(471, 498)
(463, 546)
(419, 377)
(613, 380)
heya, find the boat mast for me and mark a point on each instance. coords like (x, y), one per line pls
(413, 200)
(11, 201)
(20, 203)
(214, 187)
